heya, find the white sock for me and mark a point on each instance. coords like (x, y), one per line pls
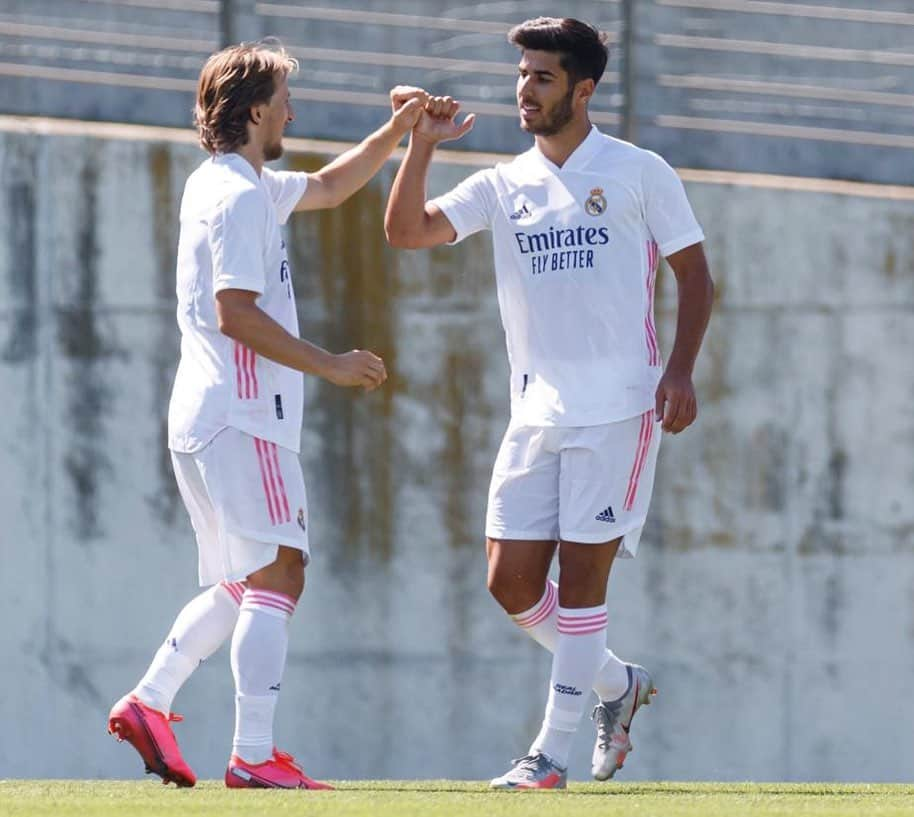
(259, 647)
(199, 630)
(579, 652)
(540, 623)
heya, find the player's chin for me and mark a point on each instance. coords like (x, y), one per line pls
(273, 152)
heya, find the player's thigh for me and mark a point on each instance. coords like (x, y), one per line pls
(525, 561)
(524, 491)
(606, 481)
(584, 569)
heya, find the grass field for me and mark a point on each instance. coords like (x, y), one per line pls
(444, 798)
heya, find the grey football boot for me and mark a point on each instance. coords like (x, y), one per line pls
(535, 771)
(614, 719)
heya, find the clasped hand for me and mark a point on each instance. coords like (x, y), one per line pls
(431, 118)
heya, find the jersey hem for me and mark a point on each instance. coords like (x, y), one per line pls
(511, 533)
(244, 284)
(677, 244)
(260, 435)
(599, 539)
(458, 230)
(517, 420)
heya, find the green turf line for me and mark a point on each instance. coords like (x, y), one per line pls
(449, 798)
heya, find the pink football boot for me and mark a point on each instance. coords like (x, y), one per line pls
(279, 772)
(148, 731)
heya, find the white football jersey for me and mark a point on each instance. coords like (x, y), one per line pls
(230, 239)
(576, 254)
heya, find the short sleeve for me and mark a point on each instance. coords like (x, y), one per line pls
(667, 210)
(470, 206)
(237, 234)
(286, 189)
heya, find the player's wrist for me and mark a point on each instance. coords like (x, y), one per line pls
(422, 141)
(398, 126)
(322, 362)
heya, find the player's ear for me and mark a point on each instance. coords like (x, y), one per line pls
(585, 89)
(255, 114)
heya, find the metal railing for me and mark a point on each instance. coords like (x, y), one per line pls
(755, 85)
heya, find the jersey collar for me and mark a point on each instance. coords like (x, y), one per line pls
(239, 164)
(581, 156)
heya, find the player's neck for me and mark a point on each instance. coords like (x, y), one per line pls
(558, 147)
(253, 153)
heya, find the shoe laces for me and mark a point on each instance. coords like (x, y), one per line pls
(606, 716)
(287, 760)
(532, 764)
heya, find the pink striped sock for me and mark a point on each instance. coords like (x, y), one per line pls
(580, 652)
(259, 647)
(235, 591)
(541, 621)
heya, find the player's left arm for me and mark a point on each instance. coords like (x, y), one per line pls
(677, 406)
(350, 171)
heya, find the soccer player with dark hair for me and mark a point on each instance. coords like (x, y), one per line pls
(235, 417)
(579, 224)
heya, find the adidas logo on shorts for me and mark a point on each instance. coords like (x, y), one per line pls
(606, 515)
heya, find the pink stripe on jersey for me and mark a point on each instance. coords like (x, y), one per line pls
(644, 444)
(239, 374)
(245, 371)
(542, 611)
(235, 590)
(252, 371)
(265, 478)
(284, 514)
(653, 349)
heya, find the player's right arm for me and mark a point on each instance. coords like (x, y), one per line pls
(410, 221)
(242, 320)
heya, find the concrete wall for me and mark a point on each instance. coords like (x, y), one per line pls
(774, 595)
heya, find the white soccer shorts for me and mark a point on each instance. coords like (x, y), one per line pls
(245, 497)
(584, 484)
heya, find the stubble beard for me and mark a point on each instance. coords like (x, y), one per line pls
(272, 152)
(560, 115)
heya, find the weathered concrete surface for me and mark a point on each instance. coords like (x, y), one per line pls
(774, 594)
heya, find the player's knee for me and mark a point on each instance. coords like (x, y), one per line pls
(499, 588)
(514, 596)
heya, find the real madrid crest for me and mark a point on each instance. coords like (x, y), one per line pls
(596, 203)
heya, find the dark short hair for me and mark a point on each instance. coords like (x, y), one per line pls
(231, 83)
(582, 48)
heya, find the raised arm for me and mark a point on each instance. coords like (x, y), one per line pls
(676, 405)
(350, 171)
(241, 319)
(410, 222)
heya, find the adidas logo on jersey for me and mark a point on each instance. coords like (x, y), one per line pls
(522, 213)
(606, 516)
